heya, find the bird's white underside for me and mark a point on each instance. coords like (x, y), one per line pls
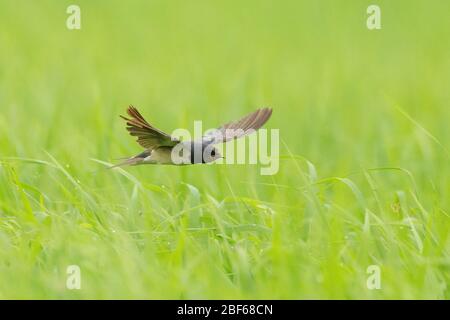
(160, 156)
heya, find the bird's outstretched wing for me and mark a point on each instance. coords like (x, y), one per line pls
(147, 136)
(239, 128)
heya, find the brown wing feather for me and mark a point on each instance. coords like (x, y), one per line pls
(242, 127)
(147, 136)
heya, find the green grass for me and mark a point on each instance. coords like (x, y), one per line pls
(364, 168)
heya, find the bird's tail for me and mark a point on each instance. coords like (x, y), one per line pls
(127, 162)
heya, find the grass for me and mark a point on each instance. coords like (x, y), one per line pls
(364, 173)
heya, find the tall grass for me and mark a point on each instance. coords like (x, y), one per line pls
(364, 160)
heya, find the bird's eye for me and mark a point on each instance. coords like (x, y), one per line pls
(213, 153)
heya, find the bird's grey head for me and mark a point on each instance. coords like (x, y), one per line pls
(203, 152)
(210, 155)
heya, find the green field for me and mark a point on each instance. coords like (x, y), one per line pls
(364, 173)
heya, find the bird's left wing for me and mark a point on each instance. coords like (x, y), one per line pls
(147, 136)
(239, 128)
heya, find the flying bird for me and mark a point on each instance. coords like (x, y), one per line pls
(162, 148)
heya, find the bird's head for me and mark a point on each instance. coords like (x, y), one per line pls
(211, 154)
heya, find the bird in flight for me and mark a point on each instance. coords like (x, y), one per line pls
(162, 148)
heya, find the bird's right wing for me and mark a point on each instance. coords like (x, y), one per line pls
(147, 136)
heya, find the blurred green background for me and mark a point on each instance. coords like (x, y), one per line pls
(364, 168)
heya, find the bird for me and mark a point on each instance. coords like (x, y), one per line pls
(162, 148)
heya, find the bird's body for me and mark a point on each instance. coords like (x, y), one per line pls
(161, 155)
(161, 148)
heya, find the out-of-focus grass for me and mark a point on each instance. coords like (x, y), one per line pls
(364, 174)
